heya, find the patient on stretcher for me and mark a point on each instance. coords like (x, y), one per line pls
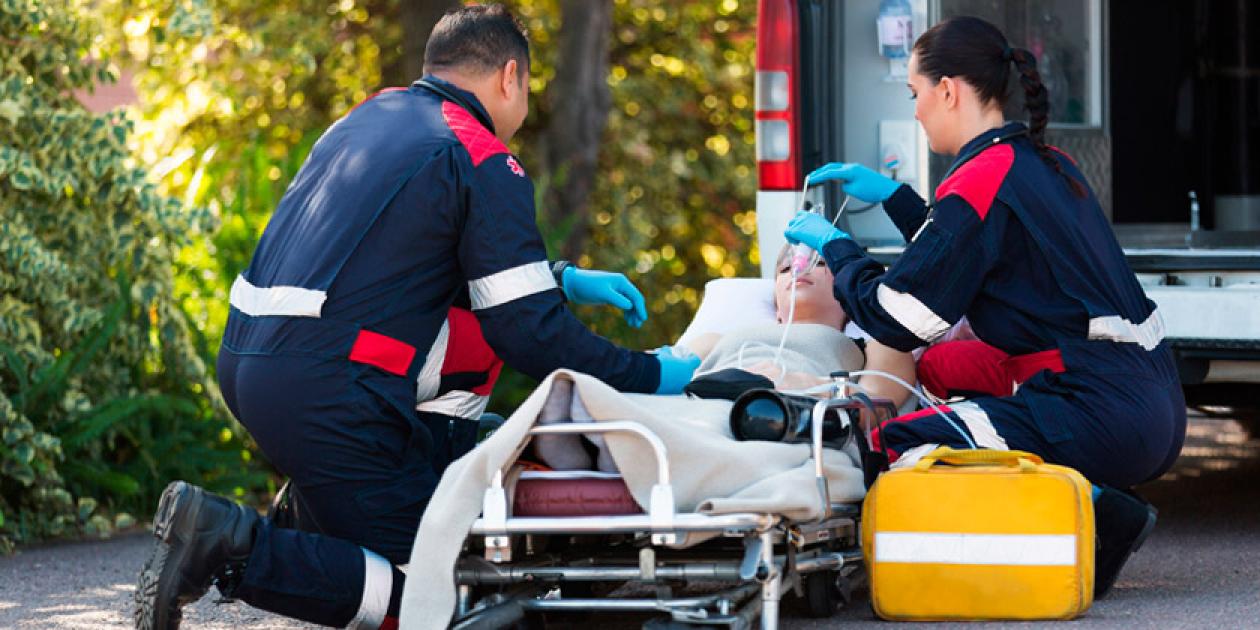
(816, 346)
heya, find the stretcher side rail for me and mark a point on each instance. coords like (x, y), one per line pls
(494, 521)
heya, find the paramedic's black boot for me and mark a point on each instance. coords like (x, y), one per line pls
(202, 538)
(1121, 522)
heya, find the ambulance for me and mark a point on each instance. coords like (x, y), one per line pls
(1158, 102)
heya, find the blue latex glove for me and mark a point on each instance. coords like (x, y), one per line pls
(858, 181)
(585, 286)
(677, 367)
(813, 230)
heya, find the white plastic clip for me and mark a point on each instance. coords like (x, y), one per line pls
(494, 515)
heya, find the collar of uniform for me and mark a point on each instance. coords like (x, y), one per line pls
(469, 98)
(971, 148)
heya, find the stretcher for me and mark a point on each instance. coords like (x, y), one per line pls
(577, 543)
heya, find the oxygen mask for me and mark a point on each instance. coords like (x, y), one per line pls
(803, 256)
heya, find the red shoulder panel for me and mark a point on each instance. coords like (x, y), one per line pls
(480, 143)
(1064, 154)
(468, 350)
(978, 180)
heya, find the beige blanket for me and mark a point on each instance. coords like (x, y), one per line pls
(711, 473)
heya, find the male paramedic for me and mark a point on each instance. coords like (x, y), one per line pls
(402, 262)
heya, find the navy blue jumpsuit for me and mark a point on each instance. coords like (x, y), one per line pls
(405, 207)
(1039, 275)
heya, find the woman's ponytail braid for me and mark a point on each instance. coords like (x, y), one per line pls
(1037, 101)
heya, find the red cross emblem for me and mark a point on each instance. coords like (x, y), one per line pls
(515, 167)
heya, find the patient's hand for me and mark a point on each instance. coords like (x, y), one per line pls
(782, 380)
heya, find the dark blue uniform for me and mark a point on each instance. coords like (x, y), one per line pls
(405, 207)
(1037, 271)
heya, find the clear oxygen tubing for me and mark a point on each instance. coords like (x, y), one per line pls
(931, 404)
(797, 270)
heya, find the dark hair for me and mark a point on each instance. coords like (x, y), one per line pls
(975, 51)
(478, 38)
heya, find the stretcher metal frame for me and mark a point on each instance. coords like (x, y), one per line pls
(518, 575)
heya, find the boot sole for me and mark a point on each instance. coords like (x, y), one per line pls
(1151, 517)
(158, 582)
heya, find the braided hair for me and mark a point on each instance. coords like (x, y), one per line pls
(975, 51)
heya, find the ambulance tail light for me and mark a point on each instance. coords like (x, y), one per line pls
(777, 115)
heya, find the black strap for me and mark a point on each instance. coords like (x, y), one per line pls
(454, 97)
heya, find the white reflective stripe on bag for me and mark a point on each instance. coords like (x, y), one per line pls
(290, 301)
(510, 284)
(1148, 334)
(976, 549)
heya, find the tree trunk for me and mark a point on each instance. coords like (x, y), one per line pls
(417, 18)
(580, 101)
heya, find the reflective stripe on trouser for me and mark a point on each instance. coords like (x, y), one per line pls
(374, 602)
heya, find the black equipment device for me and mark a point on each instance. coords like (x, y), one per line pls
(774, 416)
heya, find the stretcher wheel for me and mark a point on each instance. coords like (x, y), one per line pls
(822, 596)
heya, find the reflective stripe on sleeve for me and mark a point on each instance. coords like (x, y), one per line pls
(912, 455)
(1148, 334)
(378, 580)
(430, 377)
(914, 315)
(459, 404)
(978, 423)
(983, 549)
(291, 301)
(511, 284)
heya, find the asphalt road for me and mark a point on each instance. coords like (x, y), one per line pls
(1200, 568)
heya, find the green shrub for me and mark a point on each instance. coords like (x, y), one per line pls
(103, 397)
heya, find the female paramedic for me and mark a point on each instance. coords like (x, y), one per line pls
(1015, 241)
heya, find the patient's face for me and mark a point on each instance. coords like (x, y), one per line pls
(815, 303)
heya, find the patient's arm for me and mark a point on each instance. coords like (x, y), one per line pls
(786, 381)
(895, 362)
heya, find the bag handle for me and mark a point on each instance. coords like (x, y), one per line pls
(1027, 462)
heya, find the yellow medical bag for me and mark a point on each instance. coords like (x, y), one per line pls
(979, 534)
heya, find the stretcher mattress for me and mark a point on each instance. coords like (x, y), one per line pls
(572, 493)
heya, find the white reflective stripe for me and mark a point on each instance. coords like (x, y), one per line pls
(913, 455)
(466, 405)
(292, 301)
(988, 549)
(430, 377)
(914, 315)
(1148, 334)
(511, 284)
(378, 580)
(981, 428)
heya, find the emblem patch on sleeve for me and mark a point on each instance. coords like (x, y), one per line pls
(515, 167)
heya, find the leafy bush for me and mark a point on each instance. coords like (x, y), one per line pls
(103, 397)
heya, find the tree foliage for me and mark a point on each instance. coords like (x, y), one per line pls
(238, 92)
(102, 394)
(233, 94)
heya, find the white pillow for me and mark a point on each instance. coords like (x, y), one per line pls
(730, 304)
(733, 303)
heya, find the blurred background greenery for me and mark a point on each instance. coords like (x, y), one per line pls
(123, 228)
